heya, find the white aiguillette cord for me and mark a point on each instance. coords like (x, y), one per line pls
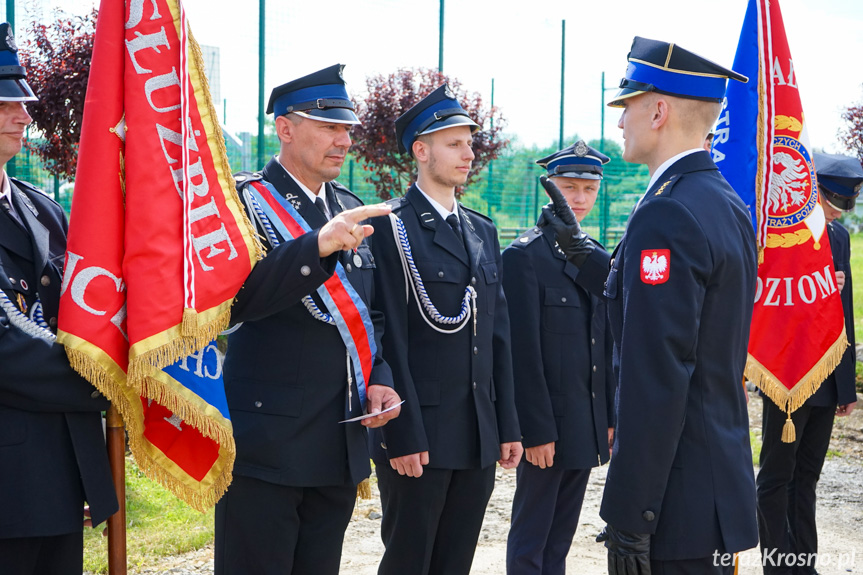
(468, 304)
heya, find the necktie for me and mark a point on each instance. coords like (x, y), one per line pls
(319, 203)
(452, 220)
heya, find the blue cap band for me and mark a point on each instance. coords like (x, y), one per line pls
(682, 83)
(326, 91)
(422, 118)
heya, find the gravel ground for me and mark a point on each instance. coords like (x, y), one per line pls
(840, 520)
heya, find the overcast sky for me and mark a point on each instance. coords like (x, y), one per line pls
(519, 45)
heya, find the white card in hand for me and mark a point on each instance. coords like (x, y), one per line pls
(368, 415)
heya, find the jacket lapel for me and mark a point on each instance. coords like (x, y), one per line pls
(444, 236)
(473, 243)
(38, 232)
(13, 238)
(277, 175)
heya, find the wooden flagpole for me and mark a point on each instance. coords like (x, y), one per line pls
(116, 438)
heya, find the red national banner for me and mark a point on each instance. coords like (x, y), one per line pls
(158, 243)
(798, 331)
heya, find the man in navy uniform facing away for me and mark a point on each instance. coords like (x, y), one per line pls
(564, 387)
(680, 492)
(52, 447)
(789, 472)
(438, 276)
(288, 374)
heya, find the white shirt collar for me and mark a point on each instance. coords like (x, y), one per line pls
(6, 188)
(667, 164)
(312, 195)
(444, 213)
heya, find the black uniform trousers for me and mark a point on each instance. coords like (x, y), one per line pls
(786, 483)
(545, 512)
(293, 530)
(703, 566)
(449, 503)
(54, 555)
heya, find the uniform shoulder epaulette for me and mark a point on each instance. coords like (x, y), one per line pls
(243, 179)
(24, 187)
(28, 186)
(666, 187)
(396, 203)
(343, 188)
(476, 213)
(526, 238)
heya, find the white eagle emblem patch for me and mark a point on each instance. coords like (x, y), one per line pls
(655, 266)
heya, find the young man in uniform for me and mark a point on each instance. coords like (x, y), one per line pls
(292, 372)
(52, 447)
(680, 490)
(789, 472)
(438, 276)
(564, 388)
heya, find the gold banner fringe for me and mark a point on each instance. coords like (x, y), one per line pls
(155, 359)
(119, 395)
(189, 413)
(198, 58)
(759, 175)
(190, 322)
(195, 498)
(364, 489)
(115, 391)
(789, 400)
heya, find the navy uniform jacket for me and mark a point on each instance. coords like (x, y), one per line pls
(457, 387)
(839, 388)
(561, 353)
(682, 465)
(52, 448)
(285, 371)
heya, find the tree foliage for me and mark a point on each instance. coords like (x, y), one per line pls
(852, 134)
(57, 59)
(389, 96)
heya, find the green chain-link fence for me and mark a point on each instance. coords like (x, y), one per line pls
(508, 189)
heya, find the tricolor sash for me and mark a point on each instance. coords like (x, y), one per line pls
(347, 308)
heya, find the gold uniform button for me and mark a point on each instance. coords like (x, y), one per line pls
(46, 281)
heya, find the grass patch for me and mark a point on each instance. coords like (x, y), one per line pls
(755, 443)
(157, 525)
(833, 454)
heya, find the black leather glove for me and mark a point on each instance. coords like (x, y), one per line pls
(628, 553)
(574, 243)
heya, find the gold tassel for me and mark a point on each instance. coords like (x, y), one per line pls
(789, 433)
(190, 322)
(364, 489)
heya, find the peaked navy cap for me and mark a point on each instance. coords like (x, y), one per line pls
(666, 68)
(13, 86)
(576, 161)
(320, 96)
(437, 111)
(840, 179)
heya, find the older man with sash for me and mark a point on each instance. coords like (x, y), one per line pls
(307, 355)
